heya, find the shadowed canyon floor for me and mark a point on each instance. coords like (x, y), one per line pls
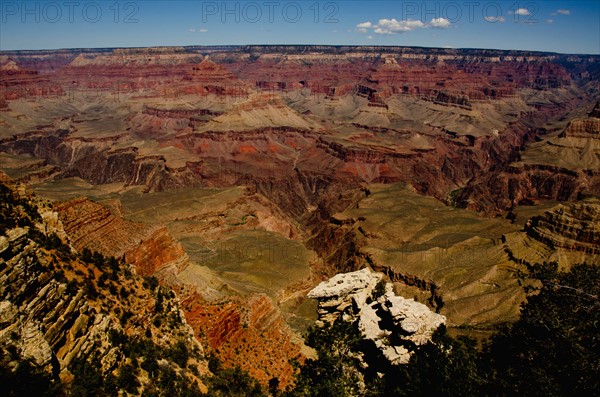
(241, 177)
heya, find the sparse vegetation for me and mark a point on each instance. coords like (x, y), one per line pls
(231, 382)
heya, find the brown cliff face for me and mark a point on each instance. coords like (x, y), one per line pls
(573, 227)
(18, 82)
(566, 234)
(583, 128)
(91, 225)
(94, 161)
(564, 167)
(152, 250)
(157, 251)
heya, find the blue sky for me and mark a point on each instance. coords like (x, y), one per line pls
(559, 26)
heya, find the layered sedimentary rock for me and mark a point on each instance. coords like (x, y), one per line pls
(249, 332)
(152, 250)
(389, 114)
(394, 324)
(567, 234)
(344, 294)
(574, 227)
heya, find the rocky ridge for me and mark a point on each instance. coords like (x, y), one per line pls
(64, 311)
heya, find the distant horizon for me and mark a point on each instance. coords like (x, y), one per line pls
(92, 49)
(556, 26)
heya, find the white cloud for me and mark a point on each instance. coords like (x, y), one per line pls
(549, 21)
(191, 30)
(440, 23)
(564, 12)
(522, 11)
(393, 26)
(370, 37)
(203, 30)
(494, 19)
(363, 26)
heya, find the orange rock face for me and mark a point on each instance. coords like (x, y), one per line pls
(156, 251)
(91, 225)
(249, 333)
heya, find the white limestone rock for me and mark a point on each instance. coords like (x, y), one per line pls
(388, 320)
(413, 318)
(345, 294)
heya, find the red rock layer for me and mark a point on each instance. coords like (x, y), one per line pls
(249, 333)
(474, 75)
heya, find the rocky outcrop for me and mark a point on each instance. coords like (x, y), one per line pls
(567, 235)
(151, 249)
(564, 167)
(95, 161)
(394, 324)
(158, 254)
(583, 128)
(91, 225)
(397, 325)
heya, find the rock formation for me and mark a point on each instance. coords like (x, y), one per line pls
(563, 166)
(394, 324)
(573, 227)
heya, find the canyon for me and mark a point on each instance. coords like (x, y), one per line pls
(241, 177)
